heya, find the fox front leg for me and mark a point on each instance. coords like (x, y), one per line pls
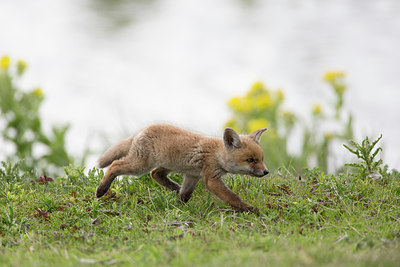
(215, 184)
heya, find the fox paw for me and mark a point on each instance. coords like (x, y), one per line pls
(247, 209)
(100, 191)
(184, 198)
(250, 209)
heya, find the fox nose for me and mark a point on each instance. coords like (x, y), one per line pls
(266, 172)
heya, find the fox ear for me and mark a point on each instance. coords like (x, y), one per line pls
(232, 139)
(256, 135)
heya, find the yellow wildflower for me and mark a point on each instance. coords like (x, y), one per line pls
(21, 66)
(257, 89)
(258, 86)
(5, 62)
(280, 95)
(246, 105)
(330, 76)
(317, 109)
(295, 203)
(240, 104)
(233, 124)
(230, 123)
(340, 89)
(288, 118)
(328, 136)
(38, 92)
(234, 103)
(263, 101)
(287, 114)
(256, 124)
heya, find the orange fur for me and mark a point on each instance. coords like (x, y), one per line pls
(165, 148)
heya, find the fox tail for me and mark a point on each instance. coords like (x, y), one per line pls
(117, 151)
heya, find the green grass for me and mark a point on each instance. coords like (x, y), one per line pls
(318, 220)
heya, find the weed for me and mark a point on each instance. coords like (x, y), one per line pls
(368, 167)
(10, 173)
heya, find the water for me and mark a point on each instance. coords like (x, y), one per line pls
(111, 67)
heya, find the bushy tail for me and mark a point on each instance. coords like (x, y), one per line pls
(117, 151)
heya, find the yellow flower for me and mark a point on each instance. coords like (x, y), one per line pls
(233, 124)
(256, 124)
(240, 104)
(340, 89)
(287, 114)
(245, 105)
(317, 110)
(21, 66)
(234, 103)
(257, 85)
(5, 62)
(38, 92)
(257, 89)
(331, 76)
(295, 202)
(288, 118)
(263, 101)
(280, 95)
(328, 136)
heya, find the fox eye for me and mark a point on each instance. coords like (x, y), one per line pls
(250, 160)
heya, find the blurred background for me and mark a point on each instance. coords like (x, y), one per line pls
(110, 67)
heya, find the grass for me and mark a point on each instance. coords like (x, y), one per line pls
(317, 220)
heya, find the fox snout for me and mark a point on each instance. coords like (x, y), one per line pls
(260, 169)
(260, 173)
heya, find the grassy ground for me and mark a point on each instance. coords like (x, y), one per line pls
(316, 220)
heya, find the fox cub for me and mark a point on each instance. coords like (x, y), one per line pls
(163, 148)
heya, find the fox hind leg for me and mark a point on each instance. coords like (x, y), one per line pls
(188, 185)
(127, 165)
(160, 175)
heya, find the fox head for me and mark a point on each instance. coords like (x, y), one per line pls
(243, 154)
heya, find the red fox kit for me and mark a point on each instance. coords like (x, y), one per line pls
(164, 148)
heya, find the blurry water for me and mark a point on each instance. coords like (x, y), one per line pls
(110, 67)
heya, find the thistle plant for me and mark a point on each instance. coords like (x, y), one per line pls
(368, 167)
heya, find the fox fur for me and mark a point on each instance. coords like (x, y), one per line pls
(164, 148)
